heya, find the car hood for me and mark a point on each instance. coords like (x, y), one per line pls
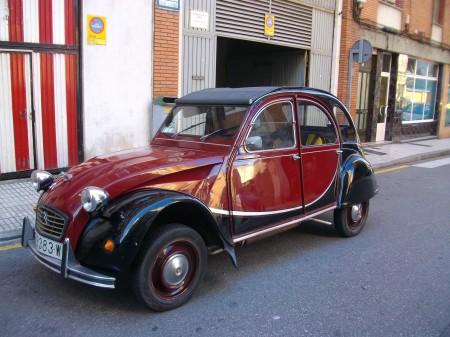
(123, 171)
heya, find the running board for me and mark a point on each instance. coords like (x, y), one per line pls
(283, 226)
(321, 221)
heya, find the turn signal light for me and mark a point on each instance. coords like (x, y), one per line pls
(34, 208)
(109, 246)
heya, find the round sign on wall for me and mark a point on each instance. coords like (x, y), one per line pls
(361, 51)
(269, 24)
(97, 25)
(96, 30)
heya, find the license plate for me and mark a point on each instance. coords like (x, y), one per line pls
(48, 247)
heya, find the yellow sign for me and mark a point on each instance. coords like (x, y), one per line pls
(269, 25)
(96, 30)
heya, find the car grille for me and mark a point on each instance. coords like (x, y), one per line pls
(50, 222)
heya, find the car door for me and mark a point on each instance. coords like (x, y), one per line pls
(265, 175)
(320, 152)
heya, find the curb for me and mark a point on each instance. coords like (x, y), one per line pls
(10, 241)
(412, 158)
(10, 237)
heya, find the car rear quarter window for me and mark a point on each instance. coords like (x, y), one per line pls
(316, 128)
(348, 132)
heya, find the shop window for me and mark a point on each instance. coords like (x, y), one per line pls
(419, 95)
(422, 68)
(410, 83)
(433, 70)
(411, 66)
(447, 119)
(386, 63)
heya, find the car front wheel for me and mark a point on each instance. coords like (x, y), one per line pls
(171, 268)
(350, 220)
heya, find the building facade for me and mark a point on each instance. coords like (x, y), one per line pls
(75, 81)
(227, 43)
(402, 91)
(81, 78)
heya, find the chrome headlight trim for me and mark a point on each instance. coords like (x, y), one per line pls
(41, 180)
(92, 198)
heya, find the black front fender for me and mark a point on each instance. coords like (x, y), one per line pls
(357, 181)
(128, 220)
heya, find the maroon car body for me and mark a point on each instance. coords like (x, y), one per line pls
(285, 156)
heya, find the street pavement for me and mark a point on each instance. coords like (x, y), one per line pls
(391, 280)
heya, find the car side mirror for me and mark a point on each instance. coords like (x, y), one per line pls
(254, 143)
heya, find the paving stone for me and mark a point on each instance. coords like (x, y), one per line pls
(16, 202)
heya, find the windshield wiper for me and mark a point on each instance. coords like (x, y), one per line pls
(218, 131)
(188, 128)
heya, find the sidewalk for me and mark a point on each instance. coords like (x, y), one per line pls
(390, 154)
(17, 197)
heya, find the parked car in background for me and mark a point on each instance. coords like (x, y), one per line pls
(227, 165)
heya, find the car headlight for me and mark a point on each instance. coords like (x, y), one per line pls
(92, 198)
(41, 180)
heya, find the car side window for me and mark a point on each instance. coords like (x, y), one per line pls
(272, 129)
(316, 128)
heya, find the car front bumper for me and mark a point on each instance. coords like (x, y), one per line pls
(68, 266)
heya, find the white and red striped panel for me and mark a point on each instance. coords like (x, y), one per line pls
(38, 21)
(51, 89)
(16, 148)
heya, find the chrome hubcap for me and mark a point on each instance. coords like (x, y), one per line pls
(356, 212)
(175, 270)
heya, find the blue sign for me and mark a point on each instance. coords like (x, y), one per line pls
(361, 51)
(96, 25)
(171, 5)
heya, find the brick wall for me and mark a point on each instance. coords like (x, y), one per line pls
(165, 53)
(421, 17)
(370, 11)
(446, 25)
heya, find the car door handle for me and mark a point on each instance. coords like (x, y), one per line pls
(338, 151)
(296, 157)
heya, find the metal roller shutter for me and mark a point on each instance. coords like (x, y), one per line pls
(245, 19)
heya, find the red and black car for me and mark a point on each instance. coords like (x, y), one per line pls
(227, 165)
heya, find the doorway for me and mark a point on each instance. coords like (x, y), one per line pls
(242, 63)
(17, 152)
(38, 112)
(363, 101)
(383, 98)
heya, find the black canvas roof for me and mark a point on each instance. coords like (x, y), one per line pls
(226, 96)
(246, 95)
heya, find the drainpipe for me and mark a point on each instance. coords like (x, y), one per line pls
(336, 47)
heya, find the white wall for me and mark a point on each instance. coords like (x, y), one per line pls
(117, 77)
(389, 16)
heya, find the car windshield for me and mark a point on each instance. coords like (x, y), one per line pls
(204, 121)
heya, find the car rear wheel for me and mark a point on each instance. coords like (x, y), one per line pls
(171, 267)
(350, 220)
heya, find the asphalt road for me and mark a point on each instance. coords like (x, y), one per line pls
(391, 280)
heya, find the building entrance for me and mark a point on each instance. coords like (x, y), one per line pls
(245, 63)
